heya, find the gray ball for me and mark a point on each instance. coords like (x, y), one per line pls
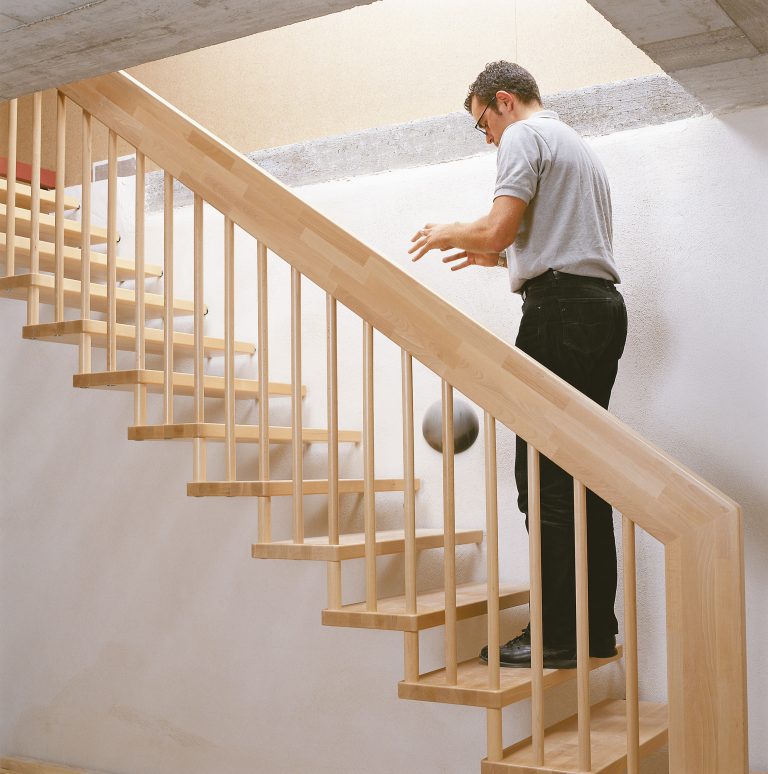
(466, 426)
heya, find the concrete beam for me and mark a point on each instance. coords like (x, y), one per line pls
(714, 48)
(46, 43)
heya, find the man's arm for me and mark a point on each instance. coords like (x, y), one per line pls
(490, 234)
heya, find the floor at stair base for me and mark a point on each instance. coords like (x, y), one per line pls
(69, 332)
(609, 742)
(472, 688)
(352, 546)
(471, 601)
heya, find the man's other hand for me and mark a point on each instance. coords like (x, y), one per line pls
(472, 259)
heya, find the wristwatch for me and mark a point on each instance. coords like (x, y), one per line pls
(502, 262)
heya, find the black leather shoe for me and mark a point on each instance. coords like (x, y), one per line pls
(517, 652)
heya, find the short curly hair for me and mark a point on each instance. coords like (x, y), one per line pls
(503, 76)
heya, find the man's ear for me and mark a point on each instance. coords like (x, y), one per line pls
(506, 99)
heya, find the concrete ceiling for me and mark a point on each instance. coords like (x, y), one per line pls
(45, 43)
(717, 50)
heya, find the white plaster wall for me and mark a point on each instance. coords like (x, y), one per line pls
(137, 635)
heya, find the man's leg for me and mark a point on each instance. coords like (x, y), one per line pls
(577, 332)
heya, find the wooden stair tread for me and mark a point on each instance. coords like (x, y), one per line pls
(284, 487)
(17, 286)
(471, 601)
(214, 431)
(72, 228)
(609, 742)
(125, 269)
(24, 197)
(352, 545)
(183, 383)
(472, 685)
(69, 332)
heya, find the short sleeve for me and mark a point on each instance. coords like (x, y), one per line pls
(518, 164)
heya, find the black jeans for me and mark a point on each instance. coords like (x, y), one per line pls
(576, 327)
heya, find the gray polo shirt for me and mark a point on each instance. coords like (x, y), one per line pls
(567, 223)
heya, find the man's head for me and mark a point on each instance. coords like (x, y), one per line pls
(503, 93)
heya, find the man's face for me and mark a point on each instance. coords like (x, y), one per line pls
(489, 120)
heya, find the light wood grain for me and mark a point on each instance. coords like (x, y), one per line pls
(31, 766)
(284, 487)
(582, 623)
(610, 750)
(72, 261)
(536, 628)
(112, 252)
(140, 394)
(449, 526)
(59, 226)
(369, 502)
(25, 192)
(35, 206)
(85, 245)
(265, 504)
(213, 431)
(183, 384)
(392, 614)
(17, 287)
(332, 401)
(700, 527)
(297, 451)
(472, 689)
(10, 220)
(352, 546)
(630, 646)
(167, 300)
(72, 229)
(492, 552)
(230, 439)
(69, 332)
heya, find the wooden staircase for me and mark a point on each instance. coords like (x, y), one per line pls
(63, 272)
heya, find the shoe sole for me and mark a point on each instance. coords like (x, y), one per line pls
(554, 664)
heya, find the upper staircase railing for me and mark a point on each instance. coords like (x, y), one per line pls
(700, 528)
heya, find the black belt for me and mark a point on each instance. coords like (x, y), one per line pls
(551, 277)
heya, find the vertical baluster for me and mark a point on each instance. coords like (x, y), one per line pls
(536, 630)
(582, 624)
(449, 528)
(229, 349)
(33, 297)
(10, 201)
(334, 568)
(630, 646)
(85, 242)
(296, 415)
(265, 503)
(409, 507)
(198, 446)
(140, 394)
(369, 497)
(61, 136)
(495, 745)
(112, 253)
(168, 321)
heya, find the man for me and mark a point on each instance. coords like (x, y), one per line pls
(552, 205)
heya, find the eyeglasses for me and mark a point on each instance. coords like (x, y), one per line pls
(479, 128)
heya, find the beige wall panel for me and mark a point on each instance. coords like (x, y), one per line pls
(390, 62)
(567, 45)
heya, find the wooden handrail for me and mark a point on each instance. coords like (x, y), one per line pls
(700, 527)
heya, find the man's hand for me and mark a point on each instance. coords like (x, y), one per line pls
(472, 259)
(433, 236)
